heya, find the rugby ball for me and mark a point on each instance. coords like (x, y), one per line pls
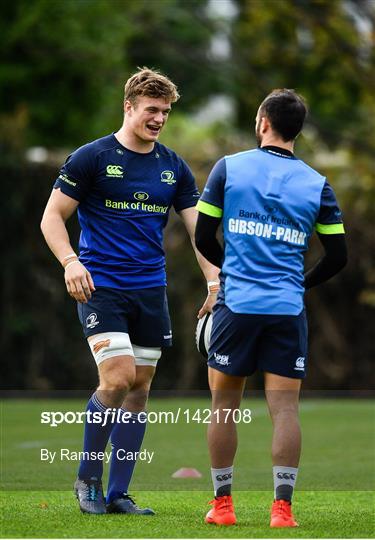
(203, 334)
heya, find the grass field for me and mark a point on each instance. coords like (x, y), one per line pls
(334, 498)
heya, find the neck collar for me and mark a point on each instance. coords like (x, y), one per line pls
(276, 150)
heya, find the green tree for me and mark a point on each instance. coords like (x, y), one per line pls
(175, 36)
(64, 63)
(323, 49)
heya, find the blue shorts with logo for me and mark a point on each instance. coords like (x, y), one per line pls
(243, 343)
(141, 313)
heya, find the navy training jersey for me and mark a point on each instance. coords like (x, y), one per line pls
(270, 202)
(124, 200)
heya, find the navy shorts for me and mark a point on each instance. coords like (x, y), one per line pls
(242, 343)
(141, 313)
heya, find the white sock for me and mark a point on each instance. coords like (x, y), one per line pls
(222, 480)
(284, 480)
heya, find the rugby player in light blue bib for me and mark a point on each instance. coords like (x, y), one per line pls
(269, 203)
(123, 187)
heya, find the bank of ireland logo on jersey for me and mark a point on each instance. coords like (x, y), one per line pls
(168, 177)
(300, 364)
(114, 171)
(92, 320)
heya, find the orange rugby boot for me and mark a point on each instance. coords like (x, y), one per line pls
(222, 512)
(281, 514)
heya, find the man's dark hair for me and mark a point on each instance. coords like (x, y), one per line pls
(286, 110)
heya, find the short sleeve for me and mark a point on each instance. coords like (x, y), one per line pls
(330, 218)
(76, 174)
(212, 199)
(187, 191)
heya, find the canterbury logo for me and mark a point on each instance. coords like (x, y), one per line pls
(300, 364)
(115, 171)
(100, 345)
(223, 477)
(286, 476)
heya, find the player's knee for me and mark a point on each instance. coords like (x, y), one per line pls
(117, 374)
(138, 395)
(140, 390)
(124, 383)
(226, 399)
(136, 400)
(117, 381)
(284, 410)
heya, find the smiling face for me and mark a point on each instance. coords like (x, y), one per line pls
(146, 117)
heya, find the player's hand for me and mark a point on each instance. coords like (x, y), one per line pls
(208, 305)
(79, 283)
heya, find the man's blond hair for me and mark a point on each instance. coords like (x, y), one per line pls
(150, 83)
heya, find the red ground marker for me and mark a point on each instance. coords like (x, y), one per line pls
(187, 472)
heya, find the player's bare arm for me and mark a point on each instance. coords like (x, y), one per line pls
(59, 208)
(211, 272)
